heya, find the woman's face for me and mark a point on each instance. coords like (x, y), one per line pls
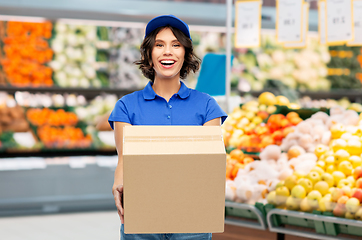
(167, 55)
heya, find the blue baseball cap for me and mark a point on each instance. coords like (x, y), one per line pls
(165, 20)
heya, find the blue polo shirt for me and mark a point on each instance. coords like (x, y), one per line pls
(187, 107)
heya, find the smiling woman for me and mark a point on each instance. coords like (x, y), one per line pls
(166, 57)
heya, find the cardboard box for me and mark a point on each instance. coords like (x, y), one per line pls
(174, 179)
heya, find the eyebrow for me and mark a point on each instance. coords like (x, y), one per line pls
(159, 40)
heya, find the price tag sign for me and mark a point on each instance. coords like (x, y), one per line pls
(322, 22)
(289, 23)
(357, 19)
(303, 43)
(247, 23)
(339, 21)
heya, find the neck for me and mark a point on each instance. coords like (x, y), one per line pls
(166, 88)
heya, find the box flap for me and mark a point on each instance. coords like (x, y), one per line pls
(145, 140)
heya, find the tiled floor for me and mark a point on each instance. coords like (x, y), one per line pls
(77, 226)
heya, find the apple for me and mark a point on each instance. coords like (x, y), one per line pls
(326, 204)
(357, 193)
(341, 155)
(313, 198)
(298, 191)
(357, 172)
(338, 144)
(331, 189)
(306, 183)
(358, 215)
(292, 203)
(327, 177)
(321, 164)
(344, 182)
(271, 197)
(336, 194)
(338, 176)
(322, 187)
(343, 199)
(299, 174)
(352, 205)
(318, 170)
(279, 184)
(356, 161)
(320, 149)
(305, 207)
(354, 146)
(337, 130)
(263, 114)
(281, 194)
(345, 167)
(329, 160)
(349, 215)
(347, 190)
(291, 181)
(359, 183)
(351, 180)
(330, 168)
(314, 176)
(339, 210)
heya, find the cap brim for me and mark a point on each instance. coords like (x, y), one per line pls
(166, 20)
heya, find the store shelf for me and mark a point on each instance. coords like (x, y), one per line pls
(244, 215)
(87, 92)
(51, 185)
(313, 225)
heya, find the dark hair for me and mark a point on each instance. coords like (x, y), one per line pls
(191, 61)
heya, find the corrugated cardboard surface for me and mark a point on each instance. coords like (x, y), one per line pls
(174, 179)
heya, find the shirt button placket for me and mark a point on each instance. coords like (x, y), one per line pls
(169, 112)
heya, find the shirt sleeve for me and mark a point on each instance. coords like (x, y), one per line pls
(213, 111)
(119, 114)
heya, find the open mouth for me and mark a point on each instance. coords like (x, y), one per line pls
(167, 62)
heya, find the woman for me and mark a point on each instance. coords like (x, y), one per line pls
(166, 57)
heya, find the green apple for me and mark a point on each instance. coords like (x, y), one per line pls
(327, 177)
(306, 183)
(358, 215)
(305, 207)
(322, 187)
(344, 182)
(291, 181)
(352, 205)
(281, 195)
(338, 176)
(279, 184)
(313, 198)
(329, 160)
(318, 170)
(314, 176)
(292, 203)
(325, 203)
(354, 146)
(331, 168)
(356, 161)
(349, 215)
(345, 167)
(338, 144)
(271, 197)
(321, 164)
(298, 191)
(341, 155)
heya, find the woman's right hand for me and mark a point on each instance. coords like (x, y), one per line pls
(118, 199)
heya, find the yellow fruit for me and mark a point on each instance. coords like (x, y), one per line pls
(267, 98)
(294, 106)
(282, 100)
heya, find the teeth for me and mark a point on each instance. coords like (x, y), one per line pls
(167, 62)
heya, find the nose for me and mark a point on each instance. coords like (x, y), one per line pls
(167, 50)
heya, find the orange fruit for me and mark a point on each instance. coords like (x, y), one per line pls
(291, 115)
(237, 154)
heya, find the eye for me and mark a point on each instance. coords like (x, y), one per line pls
(159, 45)
(176, 45)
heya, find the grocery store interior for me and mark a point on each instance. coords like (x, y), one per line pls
(287, 72)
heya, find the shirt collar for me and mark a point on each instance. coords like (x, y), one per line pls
(149, 93)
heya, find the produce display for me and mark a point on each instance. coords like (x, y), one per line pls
(252, 128)
(26, 52)
(75, 56)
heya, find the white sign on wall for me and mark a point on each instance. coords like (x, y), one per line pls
(289, 23)
(303, 43)
(247, 23)
(339, 25)
(322, 22)
(357, 21)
